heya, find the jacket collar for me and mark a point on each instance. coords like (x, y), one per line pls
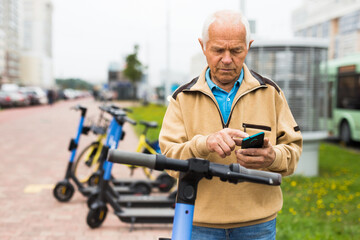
(248, 84)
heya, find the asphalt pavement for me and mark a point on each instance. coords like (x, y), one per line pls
(33, 158)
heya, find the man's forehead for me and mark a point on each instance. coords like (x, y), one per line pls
(219, 43)
(232, 32)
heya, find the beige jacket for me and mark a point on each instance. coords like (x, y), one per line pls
(259, 105)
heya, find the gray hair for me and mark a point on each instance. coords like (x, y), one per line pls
(227, 15)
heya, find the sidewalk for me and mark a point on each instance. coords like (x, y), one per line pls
(34, 156)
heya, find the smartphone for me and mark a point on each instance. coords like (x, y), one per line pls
(254, 141)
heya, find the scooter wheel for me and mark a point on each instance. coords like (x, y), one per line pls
(94, 179)
(92, 198)
(165, 182)
(96, 216)
(141, 188)
(63, 191)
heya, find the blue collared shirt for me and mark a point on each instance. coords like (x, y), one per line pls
(223, 98)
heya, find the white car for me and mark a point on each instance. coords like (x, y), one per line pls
(36, 95)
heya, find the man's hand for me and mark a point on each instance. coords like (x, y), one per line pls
(256, 158)
(224, 141)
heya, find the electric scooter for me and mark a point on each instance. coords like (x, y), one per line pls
(98, 208)
(163, 182)
(191, 172)
(64, 190)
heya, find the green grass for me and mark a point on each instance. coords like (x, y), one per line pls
(323, 207)
(151, 112)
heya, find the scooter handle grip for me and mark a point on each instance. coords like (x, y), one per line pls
(274, 177)
(132, 158)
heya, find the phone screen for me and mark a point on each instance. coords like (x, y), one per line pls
(254, 141)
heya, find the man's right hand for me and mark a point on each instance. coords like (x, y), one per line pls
(223, 142)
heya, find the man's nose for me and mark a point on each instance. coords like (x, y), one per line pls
(226, 59)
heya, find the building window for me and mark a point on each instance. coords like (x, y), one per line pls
(325, 29)
(349, 23)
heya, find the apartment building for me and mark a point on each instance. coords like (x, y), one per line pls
(336, 20)
(9, 41)
(36, 67)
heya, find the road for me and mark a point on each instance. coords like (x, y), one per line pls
(33, 157)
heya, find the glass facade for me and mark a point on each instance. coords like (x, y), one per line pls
(296, 69)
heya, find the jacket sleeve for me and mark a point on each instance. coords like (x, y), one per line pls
(289, 142)
(173, 139)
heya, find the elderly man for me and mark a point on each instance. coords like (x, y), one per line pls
(208, 118)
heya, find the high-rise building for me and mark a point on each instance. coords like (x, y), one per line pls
(2, 52)
(336, 20)
(9, 41)
(36, 66)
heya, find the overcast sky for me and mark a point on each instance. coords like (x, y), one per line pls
(89, 34)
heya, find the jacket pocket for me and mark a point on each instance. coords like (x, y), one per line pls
(253, 126)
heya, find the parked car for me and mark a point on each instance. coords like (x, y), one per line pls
(5, 100)
(35, 95)
(15, 99)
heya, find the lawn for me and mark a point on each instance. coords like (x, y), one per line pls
(323, 207)
(151, 112)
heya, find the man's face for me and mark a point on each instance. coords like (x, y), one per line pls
(225, 53)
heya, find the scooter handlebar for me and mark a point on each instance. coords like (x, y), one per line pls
(132, 158)
(129, 120)
(276, 177)
(81, 108)
(233, 173)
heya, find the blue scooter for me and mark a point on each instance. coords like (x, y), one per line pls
(64, 190)
(191, 171)
(106, 194)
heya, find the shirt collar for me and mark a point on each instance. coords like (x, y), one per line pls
(212, 85)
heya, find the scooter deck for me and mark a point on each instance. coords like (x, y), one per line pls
(129, 181)
(119, 189)
(146, 201)
(146, 215)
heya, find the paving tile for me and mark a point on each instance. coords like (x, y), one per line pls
(34, 156)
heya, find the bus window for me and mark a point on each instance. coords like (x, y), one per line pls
(349, 92)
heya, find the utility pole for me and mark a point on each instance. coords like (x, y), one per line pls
(167, 83)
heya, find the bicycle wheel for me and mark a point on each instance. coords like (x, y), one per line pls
(87, 163)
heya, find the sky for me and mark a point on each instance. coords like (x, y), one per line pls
(90, 34)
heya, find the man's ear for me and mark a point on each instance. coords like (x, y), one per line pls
(202, 45)
(250, 43)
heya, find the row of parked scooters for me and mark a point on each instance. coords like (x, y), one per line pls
(131, 199)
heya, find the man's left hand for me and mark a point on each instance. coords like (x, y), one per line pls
(256, 158)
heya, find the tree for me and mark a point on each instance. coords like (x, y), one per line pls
(73, 83)
(134, 68)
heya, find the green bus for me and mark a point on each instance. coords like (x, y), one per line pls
(344, 98)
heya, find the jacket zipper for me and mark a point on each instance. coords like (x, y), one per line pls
(236, 101)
